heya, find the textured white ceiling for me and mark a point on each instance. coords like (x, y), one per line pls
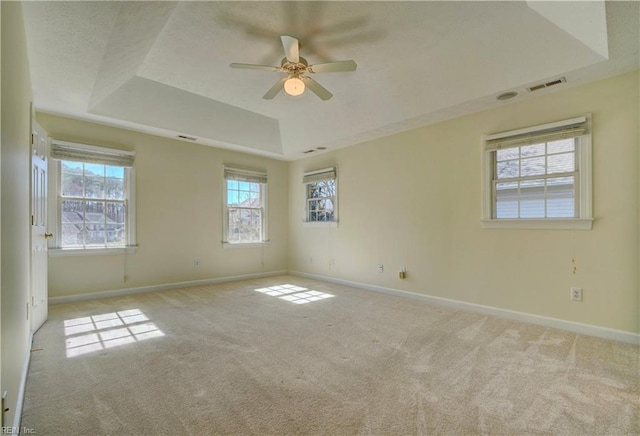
(163, 67)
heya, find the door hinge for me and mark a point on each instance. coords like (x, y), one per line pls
(33, 221)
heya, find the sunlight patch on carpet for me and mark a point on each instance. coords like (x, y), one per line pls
(94, 333)
(294, 294)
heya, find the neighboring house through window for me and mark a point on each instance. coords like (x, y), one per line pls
(245, 206)
(94, 206)
(539, 177)
(320, 196)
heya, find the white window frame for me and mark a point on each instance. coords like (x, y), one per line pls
(309, 177)
(232, 172)
(579, 127)
(76, 152)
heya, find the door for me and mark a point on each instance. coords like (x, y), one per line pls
(39, 231)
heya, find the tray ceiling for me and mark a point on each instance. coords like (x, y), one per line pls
(163, 67)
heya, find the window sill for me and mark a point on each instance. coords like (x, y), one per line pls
(66, 252)
(319, 223)
(244, 244)
(539, 224)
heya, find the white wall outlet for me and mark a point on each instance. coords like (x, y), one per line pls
(380, 268)
(196, 263)
(576, 294)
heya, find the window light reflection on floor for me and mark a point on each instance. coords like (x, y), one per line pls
(294, 294)
(108, 330)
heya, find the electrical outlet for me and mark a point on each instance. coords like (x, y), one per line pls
(576, 294)
(380, 268)
(196, 263)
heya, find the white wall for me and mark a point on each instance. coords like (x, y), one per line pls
(414, 200)
(16, 97)
(179, 215)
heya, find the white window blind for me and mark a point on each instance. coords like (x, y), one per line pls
(63, 150)
(538, 134)
(245, 175)
(319, 175)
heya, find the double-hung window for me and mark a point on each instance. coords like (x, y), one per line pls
(245, 199)
(94, 200)
(320, 196)
(539, 177)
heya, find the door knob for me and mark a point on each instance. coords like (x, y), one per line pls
(48, 235)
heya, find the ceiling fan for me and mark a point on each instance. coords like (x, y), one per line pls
(296, 67)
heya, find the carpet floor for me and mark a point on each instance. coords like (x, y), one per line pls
(289, 355)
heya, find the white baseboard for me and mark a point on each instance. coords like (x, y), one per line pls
(155, 288)
(17, 416)
(545, 321)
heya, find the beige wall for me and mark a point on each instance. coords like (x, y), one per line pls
(16, 97)
(179, 215)
(414, 200)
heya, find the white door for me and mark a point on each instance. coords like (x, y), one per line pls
(39, 231)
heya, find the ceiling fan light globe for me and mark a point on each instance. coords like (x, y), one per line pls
(294, 86)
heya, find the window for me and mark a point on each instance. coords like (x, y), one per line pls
(245, 204)
(94, 196)
(320, 196)
(539, 177)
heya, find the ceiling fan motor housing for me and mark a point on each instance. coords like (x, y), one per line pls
(295, 68)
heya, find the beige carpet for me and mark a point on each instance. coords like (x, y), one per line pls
(236, 358)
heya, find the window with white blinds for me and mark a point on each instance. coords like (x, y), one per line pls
(321, 192)
(244, 206)
(539, 177)
(95, 201)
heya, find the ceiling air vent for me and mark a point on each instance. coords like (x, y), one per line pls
(189, 138)
(546, 85)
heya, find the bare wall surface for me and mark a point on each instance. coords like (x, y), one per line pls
(179, 215)
(16, 97)
(414, 200)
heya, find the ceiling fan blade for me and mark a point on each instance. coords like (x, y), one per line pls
(275, 89)
(316, 88)
(255, 67)
(291, 48)
(333, 67)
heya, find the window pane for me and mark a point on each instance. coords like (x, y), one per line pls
(561, 197)
(561, 163)
(115, 172)
(115, 224)
(561, 146)
(532, 167)
(507, 200)
(71, 185)
(71, 167)
(508, 154)
(508, 169)
(93, 170)
(94, 187)
(532, 150)
(95, 222)
(72, 220)
(114, 188)
(532, 199)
